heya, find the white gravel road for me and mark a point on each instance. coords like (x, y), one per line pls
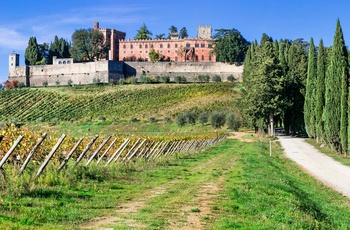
(322, 167)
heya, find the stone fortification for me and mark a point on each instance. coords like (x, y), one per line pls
(77, 73)
(190, 70)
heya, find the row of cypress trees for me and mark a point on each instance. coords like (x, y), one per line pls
(326, 108)
(274, 80)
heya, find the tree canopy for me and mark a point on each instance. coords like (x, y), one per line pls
(230, 46)
(143, 33)
(88, 45)
(59, 48)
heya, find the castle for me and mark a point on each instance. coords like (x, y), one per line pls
(187, 57)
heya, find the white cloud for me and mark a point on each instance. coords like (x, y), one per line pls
(11, 39)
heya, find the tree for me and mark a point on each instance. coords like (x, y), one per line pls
(172, 30)
(59, 48)
(217, 119)
(32, 52)
(335, 110)
(310, 95)
(230, 46)
(262, 98)
(320, 90)
(181, 52)
(155, 56)
(159, 36)
(143, 33)
(183, 33)
(88, 45)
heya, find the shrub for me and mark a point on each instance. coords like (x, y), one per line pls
(101, 118)
(133, 80)
(115, 119)
(40, 119)
(134, 119)
(152, 119)
(164, 79)
(203, 118)
(145, 80)
(121, 81)
(191, 117)
(167, 119)
(180, 79)
(181, 120)
(231, 78)
(216, 78)
(70, 82)
(57, 82)
(96, 80)
(217, 119)
(45, 83)
(88, 119)
(21, 85)
(54, 121)
(203, 78)
(233, 121)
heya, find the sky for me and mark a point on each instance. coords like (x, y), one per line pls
(280, 19)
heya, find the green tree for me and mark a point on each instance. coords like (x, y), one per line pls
(59, 48)
(320, 90)
(230, 46)
(155, 56)
(217, 119)
(310, 95)
(143, 33)
(172, 30)
(88, 45)
(335, 110)
(183, 33)
(32, 52)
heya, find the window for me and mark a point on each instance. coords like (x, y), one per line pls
(202, 45)
(146, 46)
(152, 46)
(168, 46)
(131, 52)
(140, 46)
(161, 46)
(188, 45)
(146, 51)
(146, 59)
(196, 45)
(124, 46)
(68, 62)
(209, 57)
(202, 57)
(59, 62)
(131, 46)
(175, 45)
(196, 58)
(161, 51)
(124, 51)
(168, 51)
(140, 51)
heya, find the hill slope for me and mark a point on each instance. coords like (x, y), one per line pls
(64, 103)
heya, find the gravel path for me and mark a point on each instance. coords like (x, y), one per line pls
(322, 167)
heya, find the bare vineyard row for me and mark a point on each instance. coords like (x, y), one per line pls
(125, 152)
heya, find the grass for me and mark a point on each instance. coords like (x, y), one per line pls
(259, 192)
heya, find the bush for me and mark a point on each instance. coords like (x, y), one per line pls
(164, 79)
(40, 120)
(231, 78)
(181, 120)
(217, 119)
(203, 78)
(145, 80)
(233, 121)
(55, 121)
(152, 119)
(133, 80)
(57, 82)
(102, 118)
(167, 119)
(180, 79)
(115, 119)
(203, 118)
(121, 81)
(21, 85)
(191, 117)
(70, 82)
(216, 78)
(134, 119)
(45, 83)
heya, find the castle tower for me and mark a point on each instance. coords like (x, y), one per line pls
(96, 25)
(204, 32)
(13, 61)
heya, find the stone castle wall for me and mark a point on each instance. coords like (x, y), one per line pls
(77, 73)
(190, 70)
(112, 71)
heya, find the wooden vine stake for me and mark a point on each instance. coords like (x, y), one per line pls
(86, 149)
(109, 147)
(97, 150)
(69, 154)
(7, 155)
(48, 158)
(31, 153)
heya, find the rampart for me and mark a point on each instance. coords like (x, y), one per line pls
(190, 70)
(77, 73)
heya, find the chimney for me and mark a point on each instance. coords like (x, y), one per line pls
(96, 25)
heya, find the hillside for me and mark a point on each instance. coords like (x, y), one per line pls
(110, 102)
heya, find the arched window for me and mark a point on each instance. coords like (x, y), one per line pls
(168, 46)
(175, 45)
(146, 46)
(131, 46)
(140, 46)
(161, 46)
(60, 62)
(152, 46)
(202, 57)
(68, 62)
(64, 62)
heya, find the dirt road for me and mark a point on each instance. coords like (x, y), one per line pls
(324, 168)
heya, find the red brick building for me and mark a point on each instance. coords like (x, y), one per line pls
(113, 37)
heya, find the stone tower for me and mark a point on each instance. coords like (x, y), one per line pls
(204, 31)
(13, 61)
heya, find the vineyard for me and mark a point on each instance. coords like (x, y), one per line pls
(79, 103)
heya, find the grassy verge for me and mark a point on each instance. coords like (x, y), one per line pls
(336, 156)
(259, 192)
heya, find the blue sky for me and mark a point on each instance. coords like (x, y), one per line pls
(19, 20)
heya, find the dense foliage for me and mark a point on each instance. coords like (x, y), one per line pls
(143, 33)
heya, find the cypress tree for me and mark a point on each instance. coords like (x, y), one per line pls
(309, 104)
(32, 53)
(320, 90)
(335, 111)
